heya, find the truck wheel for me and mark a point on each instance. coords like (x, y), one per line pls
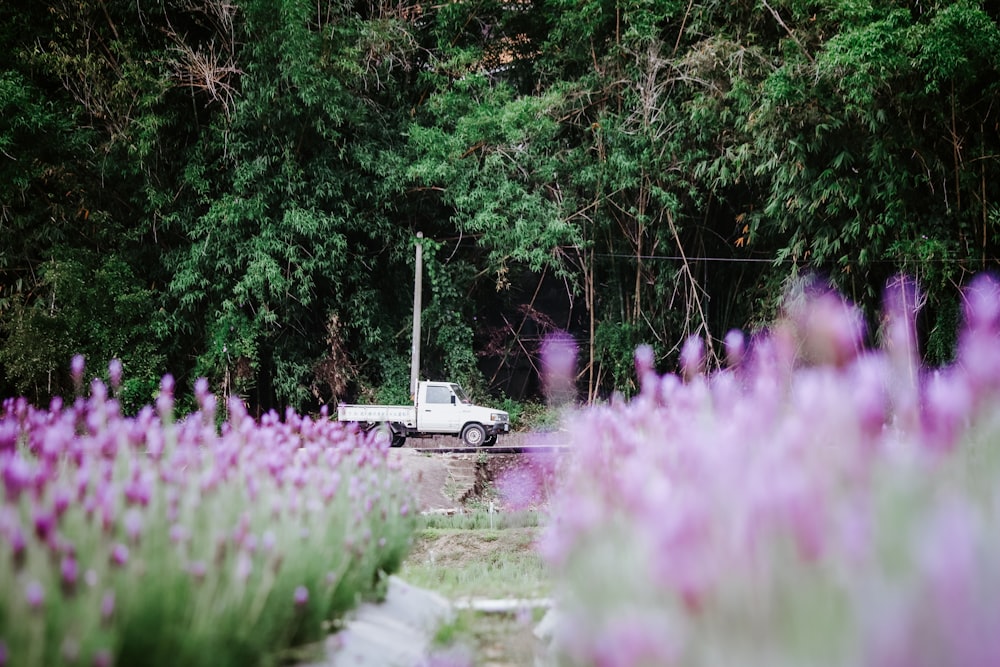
(382, 434)
(474, 435)
(490, 441)
(398, 440)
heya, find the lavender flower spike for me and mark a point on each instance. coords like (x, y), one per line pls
(644, 368)
(558, 352)
(34, 595)
(692, 358)
(165, 401)
(115, 373)
(979, 343)
(76, 368)
(735, 348)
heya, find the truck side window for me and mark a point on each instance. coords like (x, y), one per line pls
(438, 395)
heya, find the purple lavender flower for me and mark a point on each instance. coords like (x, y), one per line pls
(784, 478)
(201, 388)
(634, 639)
(558, 354)
(178, 534)
(735, 348)
(692, 357)
(869, 397)
(165, 400)
(102, 658)
(69, 572)
(107, 607)
(119, 555)
(243, 567)
(948, 617)
(947, 410)
(518, 488)
(208, 408)
(34, 595)
(132, 522)
(61, 501)
(9, 432)
(45, 523)
(115, 373)
(86, 476)
(154, 443)
(902, 302)
(18, 545)
(108, 511)
(301, 597)
(198, 570)
(830, 330)
(645, 369)
(18, 476)
(76, 369)
(979, 342)
(139, 490)
(982, 304)
(98, 397)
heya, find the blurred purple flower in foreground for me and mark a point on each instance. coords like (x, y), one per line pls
(115, 373)
(824, 504)
(558, 355)
(692, 357)
(76, 369)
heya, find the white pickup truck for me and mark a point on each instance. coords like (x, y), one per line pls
(439, 408)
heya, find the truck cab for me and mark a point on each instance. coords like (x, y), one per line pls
(444, 407)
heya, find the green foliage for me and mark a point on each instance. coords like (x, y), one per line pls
(491, 155)
(91, 307)
(616, 343)
(261, 167)
(447, 319)
(531, 416)
(291, 234)
(395, 388)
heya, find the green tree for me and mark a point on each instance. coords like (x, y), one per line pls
(296, 229)
(70, 97)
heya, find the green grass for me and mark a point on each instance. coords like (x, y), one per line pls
(480, 520)
(478, 563)
(491, 639)
(461, 558)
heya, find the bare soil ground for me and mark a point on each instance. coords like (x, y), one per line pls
(429, 475)
(455, 548)
(513, 481)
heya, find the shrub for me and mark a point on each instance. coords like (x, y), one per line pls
(814, 503)
(141, 541)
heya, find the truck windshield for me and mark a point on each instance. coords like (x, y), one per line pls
(460, 393)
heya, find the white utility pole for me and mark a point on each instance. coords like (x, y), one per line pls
(417, 290)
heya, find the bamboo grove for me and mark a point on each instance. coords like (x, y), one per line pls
(231, 189)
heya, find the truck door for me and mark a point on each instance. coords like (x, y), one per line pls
(439, 410)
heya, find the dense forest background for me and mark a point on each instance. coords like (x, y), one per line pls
(232, 188)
